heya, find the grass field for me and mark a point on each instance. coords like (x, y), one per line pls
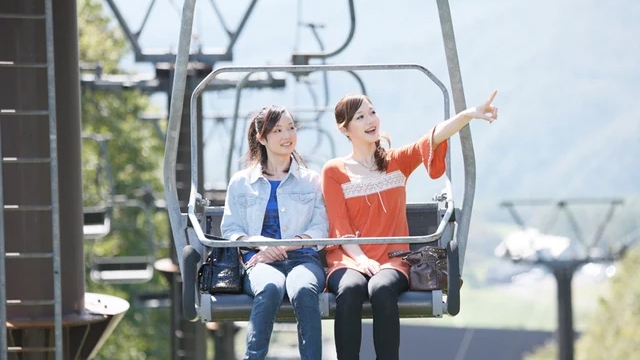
(530, 307)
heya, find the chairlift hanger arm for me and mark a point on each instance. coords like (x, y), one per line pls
(178, 223)
(466, 142)
(325, 79)
(303, 58)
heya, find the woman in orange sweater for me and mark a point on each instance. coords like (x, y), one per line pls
(365, 196)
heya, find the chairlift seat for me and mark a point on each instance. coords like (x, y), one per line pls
(97, 223)
(237, 307)
(122, 269)
(423, 219)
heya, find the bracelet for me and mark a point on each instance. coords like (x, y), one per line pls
(299, 237)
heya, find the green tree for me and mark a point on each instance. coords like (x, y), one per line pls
(135, 155)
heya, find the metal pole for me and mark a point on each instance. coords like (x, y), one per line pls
(457, 91)
(563, 272)
(53, 155)
(3, 284)
(175, 113)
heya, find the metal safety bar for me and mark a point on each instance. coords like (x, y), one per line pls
(193, 196)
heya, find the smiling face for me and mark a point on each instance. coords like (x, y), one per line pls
(281, 140)
(364, 125)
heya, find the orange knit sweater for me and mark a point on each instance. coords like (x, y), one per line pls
(375, 206)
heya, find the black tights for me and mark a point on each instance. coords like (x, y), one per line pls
(352, 288)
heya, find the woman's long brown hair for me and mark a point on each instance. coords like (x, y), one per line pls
(344, 112)
(261, 125)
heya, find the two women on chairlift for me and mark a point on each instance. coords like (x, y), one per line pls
(277, 197)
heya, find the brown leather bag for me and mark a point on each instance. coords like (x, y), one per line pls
(428, 268)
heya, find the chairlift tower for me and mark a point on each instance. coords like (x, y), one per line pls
(564, 267)
(44, 310)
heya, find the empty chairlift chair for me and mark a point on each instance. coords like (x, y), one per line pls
(431, 222)
(127, 269)
(97, 222)
(97, 218)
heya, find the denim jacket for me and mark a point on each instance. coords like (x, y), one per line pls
(300, 204)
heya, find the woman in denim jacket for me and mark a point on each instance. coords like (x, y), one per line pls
(276, 197)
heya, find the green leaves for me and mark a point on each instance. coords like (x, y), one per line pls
(614, 330)
(135, 155)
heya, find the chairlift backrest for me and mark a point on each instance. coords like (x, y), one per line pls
(97, 219)
(126, 269)
(97, 222)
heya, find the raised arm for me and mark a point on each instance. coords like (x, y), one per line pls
(486, 111)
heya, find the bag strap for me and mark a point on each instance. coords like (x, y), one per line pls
(214, 237)
(398, 253)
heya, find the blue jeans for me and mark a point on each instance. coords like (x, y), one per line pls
(302, 277)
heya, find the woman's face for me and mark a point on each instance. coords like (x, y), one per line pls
(282, 139)
(365, 125)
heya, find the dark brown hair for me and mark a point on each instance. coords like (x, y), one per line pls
(261, 125)
(344, 112)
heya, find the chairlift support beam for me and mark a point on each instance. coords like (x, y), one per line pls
(563, 269)
(564, 206)
(166, 56)
(153, 84)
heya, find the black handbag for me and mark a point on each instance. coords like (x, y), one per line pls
(428, 268)
(221, 272)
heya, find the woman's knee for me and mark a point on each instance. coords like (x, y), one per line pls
(264, 279)
(307, 291)
(306, 279)
(271, 292)
(270, 296)
(348, 285)
(386, 287)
